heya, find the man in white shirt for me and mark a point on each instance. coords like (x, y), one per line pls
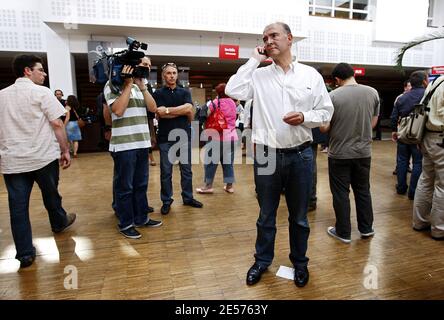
(289, 100)
(32, 144)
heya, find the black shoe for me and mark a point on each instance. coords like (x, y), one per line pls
(411, 196)
(71, 217)
(131, 233)
(165, 208)
(255, 273)
(438, 239)
(26, 261)
(194, 203)
(301, 277)
(150, 209)
(312, 206)
(426, 228)
(150, 224)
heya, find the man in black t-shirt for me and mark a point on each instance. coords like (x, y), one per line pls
(175, 112)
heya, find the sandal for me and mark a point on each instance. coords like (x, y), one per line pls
(229, 190)
(204, 190)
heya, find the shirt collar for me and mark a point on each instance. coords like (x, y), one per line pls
(292, 65)
(23, 80)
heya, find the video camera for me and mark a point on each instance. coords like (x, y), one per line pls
(130, 57)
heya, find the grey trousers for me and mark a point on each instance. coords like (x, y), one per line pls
(428, 207)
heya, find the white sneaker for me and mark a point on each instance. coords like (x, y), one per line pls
(332, 232)
(368, 234)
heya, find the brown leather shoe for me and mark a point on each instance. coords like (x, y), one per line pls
(71, 217)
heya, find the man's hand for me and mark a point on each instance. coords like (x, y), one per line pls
(139, 82)
(394, 136)
(161, 111)
(65, 160)
(257, 54)
(294, 118)
(127, 72)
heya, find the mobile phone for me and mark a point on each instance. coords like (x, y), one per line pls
(262, 51)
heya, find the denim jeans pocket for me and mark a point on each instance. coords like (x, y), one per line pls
(306, 154)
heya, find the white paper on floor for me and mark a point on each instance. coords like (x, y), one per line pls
(285, 272)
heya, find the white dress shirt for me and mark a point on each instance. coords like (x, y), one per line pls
(276, 93)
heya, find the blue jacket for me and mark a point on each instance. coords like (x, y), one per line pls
(404, 105)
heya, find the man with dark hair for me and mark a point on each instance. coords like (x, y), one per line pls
(32, 145)
(175, 112)
(349, 153)
(59, 95)
(402, 108)
(289, 100)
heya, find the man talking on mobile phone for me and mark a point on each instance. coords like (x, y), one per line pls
(289, 100)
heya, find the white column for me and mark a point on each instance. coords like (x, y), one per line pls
(60, 63)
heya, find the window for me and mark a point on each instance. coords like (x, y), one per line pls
(343, 9)
(432, 20)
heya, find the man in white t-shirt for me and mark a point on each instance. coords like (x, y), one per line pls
(32, 145)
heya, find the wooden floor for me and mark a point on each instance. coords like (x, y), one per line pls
(205, 253)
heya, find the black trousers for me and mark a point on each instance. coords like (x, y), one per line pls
(354, 172)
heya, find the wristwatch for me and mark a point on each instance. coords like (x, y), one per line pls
(167, 111)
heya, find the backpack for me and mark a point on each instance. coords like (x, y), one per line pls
(411, 128)
(101, 70)
(216, 120)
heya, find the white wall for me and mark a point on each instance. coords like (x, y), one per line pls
(337, 40)
(400, 20)
(227, 15)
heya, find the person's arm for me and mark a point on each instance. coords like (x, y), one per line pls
(394, 121)
(121, 103)
(67, 115)
(374, 121)
(240, 85)
(149, 100)
(60, 133)
(108, 121)
(322, 110)
(377, 109)
(183, 110)
(325, 129)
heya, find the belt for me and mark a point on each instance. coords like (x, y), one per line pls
(433, 131)
(299, 148)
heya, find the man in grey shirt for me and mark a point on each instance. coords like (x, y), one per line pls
(349, 157)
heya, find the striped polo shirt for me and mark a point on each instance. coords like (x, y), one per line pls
(130, 131)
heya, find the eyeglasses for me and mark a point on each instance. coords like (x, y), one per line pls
(169, 64)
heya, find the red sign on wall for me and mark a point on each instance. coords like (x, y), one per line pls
(359, 72)
(228, 51)
(438, 70)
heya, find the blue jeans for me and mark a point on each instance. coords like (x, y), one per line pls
(223, 152)
(404, 151)
(130, 187)
(19, 188)
(166, 172)
(294, 173)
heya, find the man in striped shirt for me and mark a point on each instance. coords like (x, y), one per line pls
(130, 140)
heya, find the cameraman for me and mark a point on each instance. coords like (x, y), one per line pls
(130, 140)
